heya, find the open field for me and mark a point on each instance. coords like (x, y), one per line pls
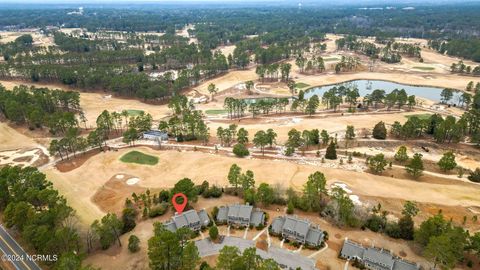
(78, 185)
(337, 124)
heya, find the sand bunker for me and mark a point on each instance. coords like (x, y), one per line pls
(119, 176)
(132, 181)
(23, 157)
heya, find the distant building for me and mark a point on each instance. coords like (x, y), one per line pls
(154, 135)
(240, 215)
(190, 219)
(375, 258)
(299, 230)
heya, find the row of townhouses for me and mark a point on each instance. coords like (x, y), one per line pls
(374, 258)
(298, 230)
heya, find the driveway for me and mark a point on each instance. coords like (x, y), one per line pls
(284, 258)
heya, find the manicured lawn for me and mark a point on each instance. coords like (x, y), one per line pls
(423, 116)
(134, 112)
(216, 112)
(424, 68)
(301, 85)
(329, 59)
(139, 157)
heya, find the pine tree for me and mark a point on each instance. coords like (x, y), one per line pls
(331, 151)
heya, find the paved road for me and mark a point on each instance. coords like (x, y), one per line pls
(285, 258)
(12, 252)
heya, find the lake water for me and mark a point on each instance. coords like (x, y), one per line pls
(368, 86)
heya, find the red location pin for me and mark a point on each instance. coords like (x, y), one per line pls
(179, 206)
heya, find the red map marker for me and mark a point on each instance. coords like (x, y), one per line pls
(179, 206)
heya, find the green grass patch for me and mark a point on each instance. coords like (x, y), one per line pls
(134, 112)
(424, 68)
(330, 59)
(139, 158)
(423, 116)
(301, 85)
(216, 112)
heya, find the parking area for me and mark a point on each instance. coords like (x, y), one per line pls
(286, 259)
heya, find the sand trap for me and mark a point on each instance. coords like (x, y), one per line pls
(342, 186)
(119, 176)
(132, 181)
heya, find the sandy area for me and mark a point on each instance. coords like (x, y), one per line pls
(12, 139)
(38, 38)
(80, 184)
(226, 50)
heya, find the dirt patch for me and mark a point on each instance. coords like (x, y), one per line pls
(67, 165)
(23, 159)
(110, 198)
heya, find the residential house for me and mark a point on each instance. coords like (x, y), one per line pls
(155, 135)
(298, 230)
(191, 219)
(240, 215)
(375, 258)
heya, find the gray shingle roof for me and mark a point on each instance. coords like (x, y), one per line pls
(170, 225)
(405, 265)
(258, 217)
(296, 225)
(314, 236)
(204, 219)
(352, 250)
(379, 256)
(222, 214)
(277, 224)
(242, 211)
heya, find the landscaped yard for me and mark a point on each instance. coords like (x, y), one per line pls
(301, 85)
(216, 112)
(134, 112)
(139, 157)
(424, 68)
(423, 116)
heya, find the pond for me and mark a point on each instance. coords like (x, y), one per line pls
(368, 86)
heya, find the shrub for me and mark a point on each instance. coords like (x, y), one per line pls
(331, 151)
(214, 212)
(240, 150)
(289, 151)
(128, 218)
(157, 210)
(375, 223)
(214, 192)
(260, 226)
(133, 243)
(475, 176)
(213, 233)
(379, 131)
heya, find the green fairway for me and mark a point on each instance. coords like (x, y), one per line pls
(423, 116)
(139, 157)
(424, 68)
(301, 85)
(134, 112)
(216, 112)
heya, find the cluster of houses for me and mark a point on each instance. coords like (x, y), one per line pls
(292, 228)
(374, 258)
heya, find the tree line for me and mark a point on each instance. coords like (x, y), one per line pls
(43, 218)
(41, 107)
